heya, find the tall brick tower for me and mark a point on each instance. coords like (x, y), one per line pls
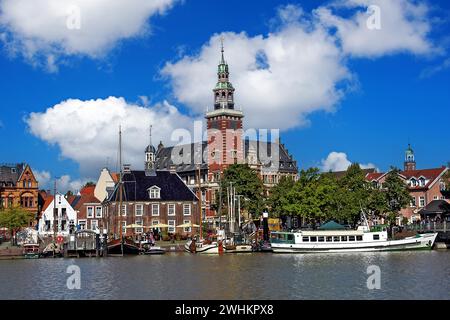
(224, 124)
(410, 162)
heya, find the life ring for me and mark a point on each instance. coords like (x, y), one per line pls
(60, 239)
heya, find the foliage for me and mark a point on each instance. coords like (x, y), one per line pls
(277, 199)
(396, 194)
(247, 183)
(15, 218)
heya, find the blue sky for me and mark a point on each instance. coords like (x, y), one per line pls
(362, 99)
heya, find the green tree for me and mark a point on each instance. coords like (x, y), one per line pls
(396, 195)
(246, 183)
(277, 200)
(14, 219)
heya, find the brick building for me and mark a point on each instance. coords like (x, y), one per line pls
(424, 185)
(19, 188)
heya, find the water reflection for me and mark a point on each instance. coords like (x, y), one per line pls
(404, 275)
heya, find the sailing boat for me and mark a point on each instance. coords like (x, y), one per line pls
(200, 245)
(121, 246)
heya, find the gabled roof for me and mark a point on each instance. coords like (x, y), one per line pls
(164, 159)
(136, 185)
(78, 201)
(87, 190)
(429, 174)
(10, 173)
(436, 206)
(48, 201)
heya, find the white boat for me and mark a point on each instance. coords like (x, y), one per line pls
(362, 239)
(193, 246)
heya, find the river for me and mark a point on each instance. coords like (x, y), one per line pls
(403, 275)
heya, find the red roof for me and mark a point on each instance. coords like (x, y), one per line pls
(87, 190)
(115, 177)
(48, 201)
(429, 174)
(79, 201)
(374, 176)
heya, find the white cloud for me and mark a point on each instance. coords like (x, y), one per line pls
(404, 27)
(338, 161)
(301, 67)
(46, 30)
(87, 131)
(279, 78)
(63, 183)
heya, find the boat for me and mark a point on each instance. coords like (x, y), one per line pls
(203, 247)
(122, 247)
(31, 251)
(360, 240)
(149, 249)
(237, 244)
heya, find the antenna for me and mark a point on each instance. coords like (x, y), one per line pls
(221, 46)
(150, 136)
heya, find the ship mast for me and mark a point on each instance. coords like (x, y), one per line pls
(120, 189)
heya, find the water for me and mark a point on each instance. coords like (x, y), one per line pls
(404, 275)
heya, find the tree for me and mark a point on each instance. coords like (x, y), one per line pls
(14, 219)
(396, 194)
(246, 183)
(277, 200)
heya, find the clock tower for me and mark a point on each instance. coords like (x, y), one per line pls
(224, 125)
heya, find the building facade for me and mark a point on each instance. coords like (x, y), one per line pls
(424, 185)
(19, 188)
(57, 217)
(150, 197)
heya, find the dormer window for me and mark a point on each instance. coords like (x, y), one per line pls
(154, 192)
(422, 182)
(413, 182)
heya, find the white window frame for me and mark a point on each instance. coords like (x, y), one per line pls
(139, 221)
(96, 212)
(187, 206)
(422, 201)
(92, 212)
(188, 229)
(123, 210)
(169, 205)
(155, 205)
(96, 223)
(171, 226)
(435, 197)
(154, 192)
(155, 222)
(82, 222)
(413, 202)
(141, 206)
(124, 230)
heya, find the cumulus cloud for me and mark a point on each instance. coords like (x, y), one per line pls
(87, 131)
(279, 78)
(404, 26)
(46, 30)
(300, 67)
(63, 184)
(338, 161)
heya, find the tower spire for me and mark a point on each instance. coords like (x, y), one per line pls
(221, 45)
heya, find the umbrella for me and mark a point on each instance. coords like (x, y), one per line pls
(159, 225)
(134, 225)
(188, 225)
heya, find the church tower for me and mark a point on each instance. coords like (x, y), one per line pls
(224, 125)
(150, 154)
(410, 162)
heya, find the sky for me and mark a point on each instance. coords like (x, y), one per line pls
(344, 81)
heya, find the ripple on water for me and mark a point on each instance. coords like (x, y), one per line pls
(404, 275)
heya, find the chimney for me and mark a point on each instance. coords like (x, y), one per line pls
(127, 168)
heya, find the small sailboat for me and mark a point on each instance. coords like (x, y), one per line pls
(203, 247)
